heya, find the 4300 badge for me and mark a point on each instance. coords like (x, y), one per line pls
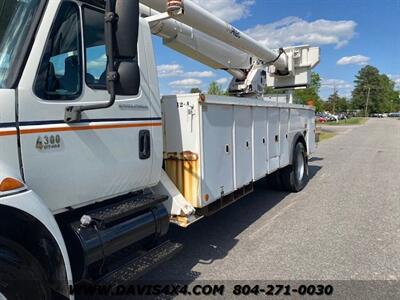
(48, 142)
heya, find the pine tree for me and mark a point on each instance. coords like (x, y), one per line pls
(336, 104)
(373, 92)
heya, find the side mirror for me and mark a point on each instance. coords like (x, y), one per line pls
(128, 82)
(127, 28)
(122, 30)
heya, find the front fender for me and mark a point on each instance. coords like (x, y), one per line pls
(31, 204)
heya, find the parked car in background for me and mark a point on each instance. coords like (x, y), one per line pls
(321, 119)
(394, 115)
(377, 115)
(331, 117)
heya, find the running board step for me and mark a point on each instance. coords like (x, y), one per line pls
(126, 207)
(141, 265)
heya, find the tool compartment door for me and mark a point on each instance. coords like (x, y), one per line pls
(217, 145)
(243, 146)
(284, 137)
(273, 139)
(260, 151)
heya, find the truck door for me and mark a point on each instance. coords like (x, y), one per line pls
(109, 152)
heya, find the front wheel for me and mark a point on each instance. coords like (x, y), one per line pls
(295, 177)
(21, 276)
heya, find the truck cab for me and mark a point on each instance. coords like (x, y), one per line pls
(53, 170)
(53, 55)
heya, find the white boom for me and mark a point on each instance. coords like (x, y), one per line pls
(197, 17)
(198, 45)
(199, 34)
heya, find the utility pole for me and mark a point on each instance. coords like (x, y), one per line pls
(366, 104)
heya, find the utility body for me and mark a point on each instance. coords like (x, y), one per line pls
(95, 164)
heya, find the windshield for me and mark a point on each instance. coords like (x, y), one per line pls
(15, 20)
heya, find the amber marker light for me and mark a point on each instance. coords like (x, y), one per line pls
(9, 184)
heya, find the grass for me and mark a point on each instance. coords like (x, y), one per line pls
(352, 121)
(323, 136)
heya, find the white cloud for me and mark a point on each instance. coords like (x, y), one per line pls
(222, 81)
(296, 31)
(354, 60)
(176, 70)
(172, 70)
(190, 82)
(200, 74)
(99, 62)
(228, 10)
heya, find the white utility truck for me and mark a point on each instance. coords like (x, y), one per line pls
(95, 165)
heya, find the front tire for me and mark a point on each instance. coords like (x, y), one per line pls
(295, 177)
(21, 276)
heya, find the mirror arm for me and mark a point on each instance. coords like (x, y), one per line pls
(74, 113)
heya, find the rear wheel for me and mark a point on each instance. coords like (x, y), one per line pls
(21, 276)
(295, 177)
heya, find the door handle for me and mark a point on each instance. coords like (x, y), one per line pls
(144, 144)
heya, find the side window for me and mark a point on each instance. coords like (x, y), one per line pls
(60, 71)
(95, 50)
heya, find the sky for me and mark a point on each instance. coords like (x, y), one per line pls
(351, 34)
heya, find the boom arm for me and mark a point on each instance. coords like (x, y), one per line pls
(198, 45)
(199, 34)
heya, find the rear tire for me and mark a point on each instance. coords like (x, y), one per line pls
(21, 276)
(295, 177)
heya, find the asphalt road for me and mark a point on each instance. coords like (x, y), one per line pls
(344, 225)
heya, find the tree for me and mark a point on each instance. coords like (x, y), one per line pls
(195, 91)
(373, 92)
(336, 103)
(343, 105)
(389, 94)
(311, 93)
(215, 89)
(395, 102)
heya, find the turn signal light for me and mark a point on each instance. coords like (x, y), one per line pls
(9, 184)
